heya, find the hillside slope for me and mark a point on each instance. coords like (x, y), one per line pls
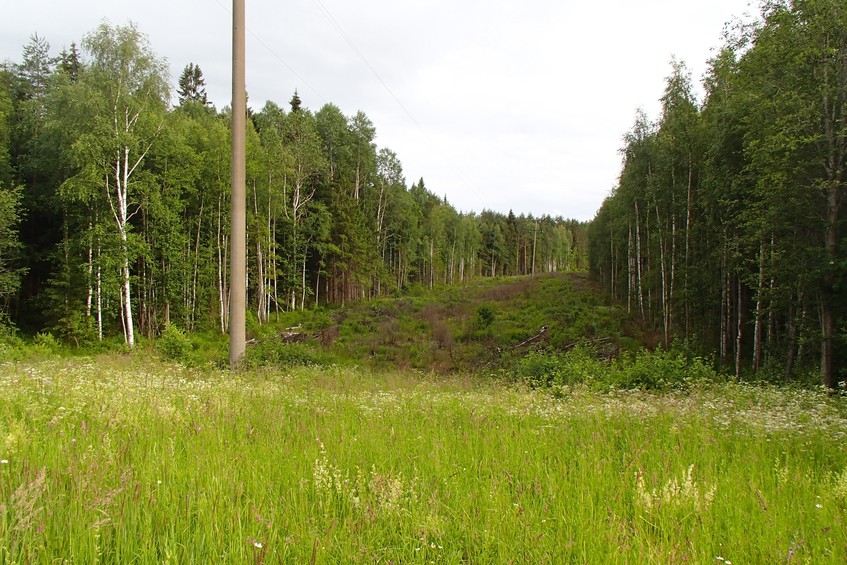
(453, 329)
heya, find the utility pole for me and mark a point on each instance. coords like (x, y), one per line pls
(238, 261)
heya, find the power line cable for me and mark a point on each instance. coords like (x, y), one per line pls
(351, 44)
(277, 56)
(328, 15)
(325, 11)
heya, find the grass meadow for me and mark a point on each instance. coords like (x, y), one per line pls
(124, 459)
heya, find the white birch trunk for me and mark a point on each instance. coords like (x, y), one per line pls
(757, 327)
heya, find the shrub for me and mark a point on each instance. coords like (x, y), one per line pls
(540, 369)
(280, 354)
(579, 365)
(661, 370)
(76, 329)
(44, 344)
(174, 344)
(484, 316)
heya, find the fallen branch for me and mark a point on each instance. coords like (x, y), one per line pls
(536, 338)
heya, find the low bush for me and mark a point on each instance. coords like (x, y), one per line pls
(579, 365)
(11, 345)
(44, 345)
(279, 354)
(659, 370)
(485, 316)
(174, 344)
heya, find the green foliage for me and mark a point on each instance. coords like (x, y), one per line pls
(658, 371)
(44, 345)
(661, 370)
(174, 344)
(580, 365)
(77, 329)
(11, 345)
(10, 244)
(192, 86)
(727, 222)
(271, 353)
(484, 316)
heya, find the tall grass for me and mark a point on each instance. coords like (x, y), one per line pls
(121, 460)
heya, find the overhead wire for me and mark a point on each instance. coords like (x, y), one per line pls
(352, 45)
(328, 15)
(277, 56)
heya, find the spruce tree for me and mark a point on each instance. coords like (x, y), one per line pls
(192, 85)
(295, 102)
(69, 62)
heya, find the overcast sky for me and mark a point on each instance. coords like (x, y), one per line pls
(497, 104)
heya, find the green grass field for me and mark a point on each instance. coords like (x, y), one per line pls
(122, 459)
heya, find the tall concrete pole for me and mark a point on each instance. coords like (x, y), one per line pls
(238, 261)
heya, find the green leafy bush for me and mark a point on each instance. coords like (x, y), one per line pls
(174, 344)
(579, 365)
(660, 370)
(484, 316)
(76, 329)
(279, 354)
(44, 344)
(11, 345)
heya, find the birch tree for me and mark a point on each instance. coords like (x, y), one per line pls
(126, 89)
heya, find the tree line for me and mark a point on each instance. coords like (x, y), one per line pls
(114, 203)
(726, 226)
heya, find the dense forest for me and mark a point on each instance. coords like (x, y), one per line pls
(114, 203)
(726, 227)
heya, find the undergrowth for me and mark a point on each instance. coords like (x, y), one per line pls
(660, 370)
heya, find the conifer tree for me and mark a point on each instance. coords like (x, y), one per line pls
(295, 102)
(192, 85)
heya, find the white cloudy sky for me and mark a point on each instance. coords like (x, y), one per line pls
(503, 104)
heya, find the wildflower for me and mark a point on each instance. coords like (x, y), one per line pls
(4, 461)
(818, 505)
